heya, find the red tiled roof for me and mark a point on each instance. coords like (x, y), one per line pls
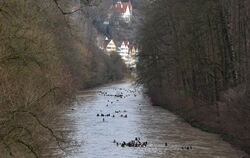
(119, 10)
(126, 43)
(121, 7)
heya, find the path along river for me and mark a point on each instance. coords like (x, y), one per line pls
(157, 126)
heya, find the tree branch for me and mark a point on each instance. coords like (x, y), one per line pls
(7, 147)
(44, 95)
(29, 147)
(71, 12)
(58, 140)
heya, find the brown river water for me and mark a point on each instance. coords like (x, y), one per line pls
(153, 124)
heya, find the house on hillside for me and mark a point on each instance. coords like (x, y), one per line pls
(124, 10)
(110, 47)
(106, 44)
(128, 53)
(123, 50)
(133, 51)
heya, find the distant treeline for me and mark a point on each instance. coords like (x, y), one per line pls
(194, 59)
(42, 65)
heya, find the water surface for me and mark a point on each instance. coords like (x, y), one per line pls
(153, 124)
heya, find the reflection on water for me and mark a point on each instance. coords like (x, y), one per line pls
(155, 125)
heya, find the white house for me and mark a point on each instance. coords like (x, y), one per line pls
(128, 54)
(133, 57)
(124, 9)
(123, 50)
(127, 15)
(111, 46)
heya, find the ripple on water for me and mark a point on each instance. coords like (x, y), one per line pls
(152, 124)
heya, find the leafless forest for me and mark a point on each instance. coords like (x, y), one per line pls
(43, 62)
(194, 60)
(191, 57)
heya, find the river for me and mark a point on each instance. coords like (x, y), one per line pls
(96, 135)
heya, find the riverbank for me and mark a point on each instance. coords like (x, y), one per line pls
(199, 65)
(226, 117)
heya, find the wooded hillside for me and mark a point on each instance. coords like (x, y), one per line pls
(194, 60)
(42, 64)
